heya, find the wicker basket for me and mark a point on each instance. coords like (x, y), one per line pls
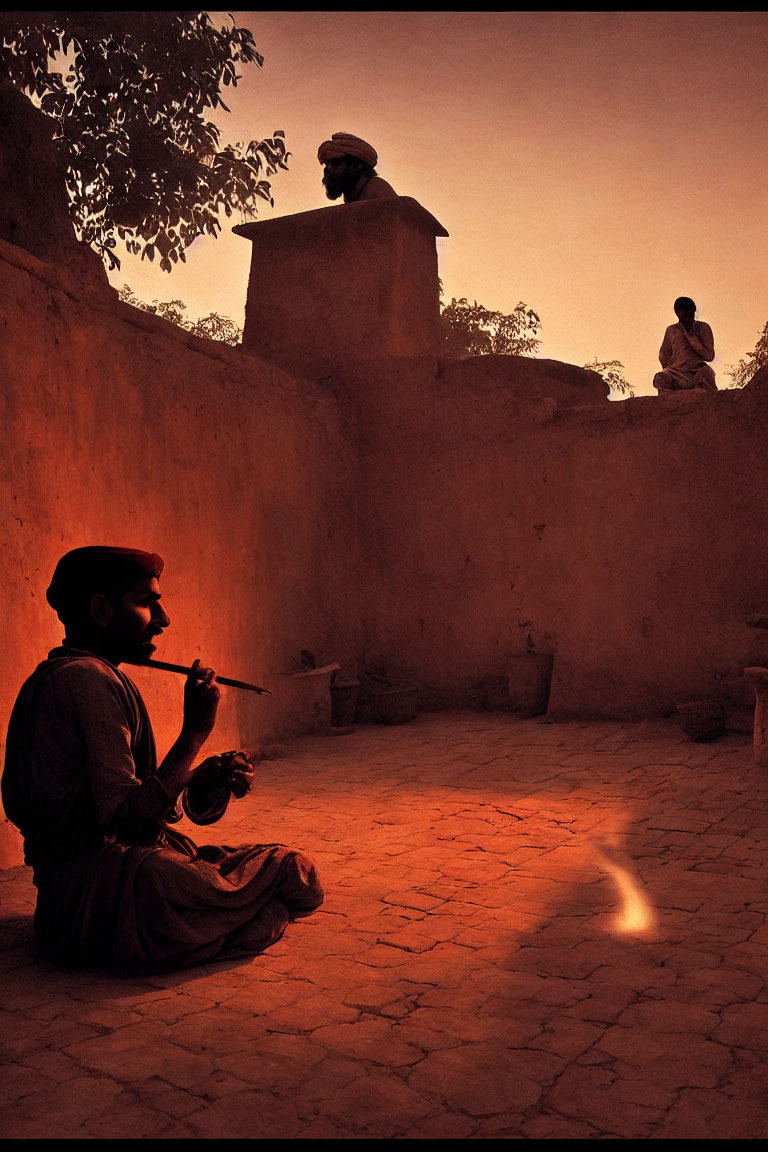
(392, 703)
(702, 719)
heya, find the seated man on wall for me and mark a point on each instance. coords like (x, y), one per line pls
(349, 170)
(117, 887)
(684, 351)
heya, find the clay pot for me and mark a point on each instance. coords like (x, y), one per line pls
(529, 675)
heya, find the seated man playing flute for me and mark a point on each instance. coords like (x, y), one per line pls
(118, 888)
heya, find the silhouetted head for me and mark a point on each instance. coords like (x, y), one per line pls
(109, 600)
(345, 159)
(685, 310)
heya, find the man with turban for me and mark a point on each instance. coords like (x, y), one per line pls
(117, 886)
(684, 351)
(349, 170)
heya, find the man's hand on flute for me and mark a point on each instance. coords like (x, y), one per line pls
(201, 702)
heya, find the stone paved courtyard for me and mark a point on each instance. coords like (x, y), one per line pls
(531, 929)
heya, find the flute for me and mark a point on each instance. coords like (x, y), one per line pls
(186, 671)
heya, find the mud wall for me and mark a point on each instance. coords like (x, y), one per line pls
(120, 428)
(628, 539)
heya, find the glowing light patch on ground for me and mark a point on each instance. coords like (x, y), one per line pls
(636, 915)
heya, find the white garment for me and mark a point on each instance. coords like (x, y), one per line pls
(683, 353)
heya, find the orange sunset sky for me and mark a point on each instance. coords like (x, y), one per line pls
(595, 165)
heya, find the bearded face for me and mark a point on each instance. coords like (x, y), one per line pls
(340, 176)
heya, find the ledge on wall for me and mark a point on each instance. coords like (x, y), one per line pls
(526, 376)
(346, 283)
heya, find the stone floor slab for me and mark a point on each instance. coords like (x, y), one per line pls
(479, 968)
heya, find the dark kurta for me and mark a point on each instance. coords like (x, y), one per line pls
(118, 886)
(370, 188)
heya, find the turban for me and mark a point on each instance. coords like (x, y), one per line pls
(342, 144)
(84, 571)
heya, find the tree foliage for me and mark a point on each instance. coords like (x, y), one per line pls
(472, 330)
(211, 327)
(612, 371)
(743, 372)
(143, 162)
